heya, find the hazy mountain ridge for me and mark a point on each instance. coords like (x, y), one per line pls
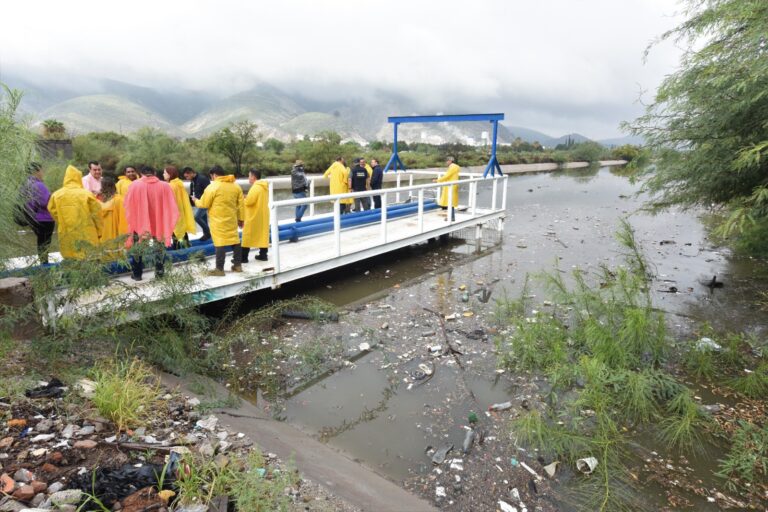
(109, 105)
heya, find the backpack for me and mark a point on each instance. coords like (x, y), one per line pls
(21, 216)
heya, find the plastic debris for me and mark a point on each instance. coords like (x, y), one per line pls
(550, 469)
(440, 491)
(472, 418)
(586, 465)
(514, 462)
(506, 507)
(364, 347)
(53, 389)
(530, 470)
(441, 453)
(705, 344)
(469, 440)
(503, 406)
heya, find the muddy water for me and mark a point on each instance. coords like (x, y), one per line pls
(377, 412)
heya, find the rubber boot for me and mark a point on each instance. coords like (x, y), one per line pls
(262, 255)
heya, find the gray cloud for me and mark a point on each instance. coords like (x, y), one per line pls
(552, 65)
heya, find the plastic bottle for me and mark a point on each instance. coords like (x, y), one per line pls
(503, 406)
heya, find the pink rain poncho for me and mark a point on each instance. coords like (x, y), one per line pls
(150, 208)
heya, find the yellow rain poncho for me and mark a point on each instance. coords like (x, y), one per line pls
(123, 182)
(77, 214)
(186, 222)
(114, 227)
(338, 175)
(256, 227)
(452, 174)
(224, 200)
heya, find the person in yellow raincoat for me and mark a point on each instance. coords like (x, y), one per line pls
(256, 225)
(186, 225)
(77, 213)
(338, 173)
(451, 174)
(115, 225)
(223, 199)
(126, 179)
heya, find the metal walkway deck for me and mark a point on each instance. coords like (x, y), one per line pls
(319, 253)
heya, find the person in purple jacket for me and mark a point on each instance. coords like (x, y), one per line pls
(41, 222)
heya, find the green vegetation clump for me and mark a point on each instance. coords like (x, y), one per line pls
(125, 392)
(603, 347)
(706, 124)
(248, 482)
(746, 463)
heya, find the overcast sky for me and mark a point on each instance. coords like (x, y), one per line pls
(553, 65)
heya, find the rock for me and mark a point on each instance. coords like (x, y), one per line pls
(44, 425)
(68, 497)
(38, 486)
(39, 452)
(38, 499)
(193, 402)
(6, 442)
(144, 499)
(6, 484)
(24, 493)
(86, 430)
(17, 423)
(24, 476)
(11, 506)
(85, 444)
(56, 457)
(208, 423)
(55, 487)
(68, 431)
(48, 468)
(41, 438)
(206, 449)
(385, 326)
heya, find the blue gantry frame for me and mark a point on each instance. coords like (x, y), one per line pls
(493, 164)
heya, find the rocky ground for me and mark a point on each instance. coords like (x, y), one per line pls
(55, 451)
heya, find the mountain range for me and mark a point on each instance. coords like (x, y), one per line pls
(109, 105)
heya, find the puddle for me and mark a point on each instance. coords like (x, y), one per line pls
(376, 411)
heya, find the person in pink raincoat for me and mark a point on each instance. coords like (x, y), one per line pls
(151, 212)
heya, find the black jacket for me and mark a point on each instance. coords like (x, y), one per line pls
(377, 177)
(197, 186)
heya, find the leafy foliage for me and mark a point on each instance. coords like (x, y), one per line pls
(234, 142)
(708, 120)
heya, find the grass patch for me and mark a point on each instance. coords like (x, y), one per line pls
(125, 393)
(746, 463)
(250, 484)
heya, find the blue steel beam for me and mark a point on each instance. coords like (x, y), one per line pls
(493, 164)
(446, 118)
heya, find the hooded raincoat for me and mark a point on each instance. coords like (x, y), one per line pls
(123, 182)
(151, 210)
(256, 227)
(338, 175)
(115, 226)
(452, 174)
(186, 223)
(77, 214)
(224, 200)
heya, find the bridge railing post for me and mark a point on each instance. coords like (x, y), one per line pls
(421, 211)
(337, 226)
(450, 204)
(397, 184)
(504, 193)
(493, 195)
(275, 228)
(384, 218)
(312, 194)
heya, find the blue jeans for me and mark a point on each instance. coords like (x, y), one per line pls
(301, 208)
(201, 217)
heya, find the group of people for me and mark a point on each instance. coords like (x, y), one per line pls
(144, 214)
(98, 215)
